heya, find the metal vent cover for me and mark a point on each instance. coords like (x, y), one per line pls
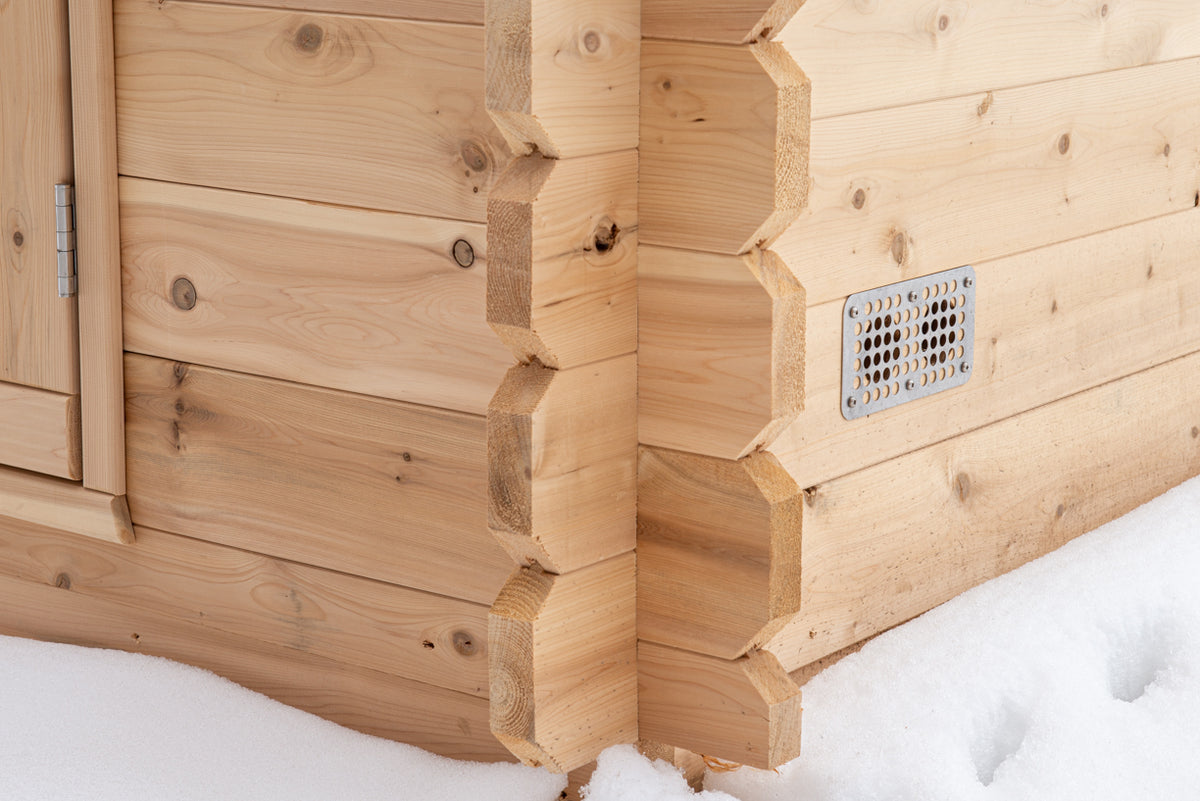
(907, 341)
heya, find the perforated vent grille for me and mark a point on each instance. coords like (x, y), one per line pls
(906, 341)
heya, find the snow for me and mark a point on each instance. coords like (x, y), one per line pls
(1075, 677)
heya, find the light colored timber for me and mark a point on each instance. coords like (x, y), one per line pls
(367, 486)
(562, 75)
(430, 638)
(38, 329)
(930, 51)
(465, 11)
(892, 541)
(720, 350)
(719, 546)
(562, 240)
(909, 191)
(563, 661)
(438, 720)
(367, 301)
(724, 145)
(562, 455)
(736, 22)
(39, 431)
(64, 506)
(1049, 323)
(745, 710)
(97, 237)
(884, 544)
(353, 110)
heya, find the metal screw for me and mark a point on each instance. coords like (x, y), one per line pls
(968, 282)
(183, 294)
(464, 254)
(910, 385)
(854, 312)
(851, 402)
(913, 297)
(965, 367)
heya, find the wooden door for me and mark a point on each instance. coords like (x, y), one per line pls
(39, 341)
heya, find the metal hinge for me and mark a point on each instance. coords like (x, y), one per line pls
(64, 223)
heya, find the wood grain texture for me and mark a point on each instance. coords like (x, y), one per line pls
(737, 22)
(94, 115)
(910, 191)
(64, 506)
(430, 638)
(438, 720)
(562, 463)
(366, 301)
(38, 330)
(465, 11)
(353, 110)
(745, 710)
(39, 431)
(563, 661)
(562, 75)
(719, 546)
(887, 543)
(720, 350)
(931, 51)
(562, 241)
(366, 486)
(724, 145)
(1049, 323)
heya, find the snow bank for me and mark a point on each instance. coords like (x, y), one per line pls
(95, 725)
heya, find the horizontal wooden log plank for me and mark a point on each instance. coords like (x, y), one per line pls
(39, 431)
(1050, 322)
(720, 350)
(63, 506)
(366, 486)
(744, 710)
(563, 663)
(863, 56)
(372, 302)
(438, 720)
(905, 192)
(724, 145)
(887, 543)
(562, 474)
(727, 21)
(360, 111)
(429, 638)
(465, 11)
(562, 75)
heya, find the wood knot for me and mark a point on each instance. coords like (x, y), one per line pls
(900, 248)
(860, 199)
(309, 37)
(464, 253)
(1060, 511)
(812, 495)
(18, 238)
(986, 105)
(183, 294)
(1195, 432)
(180, 371)
(473, 156)
(406, 456)
(943, 22)
(1167, 150)
(427, 645)
(962, 486)
(62, 581)
(465, 644)
(1104, 11)
(1064, 144)
(592, 41)
(606, 235)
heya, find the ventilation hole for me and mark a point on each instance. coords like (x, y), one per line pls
(858, 329)
(924, 379)
(866, 398)
(857, 381)
(954, 286)
(887, 390)
(950, 371)
(875, 394)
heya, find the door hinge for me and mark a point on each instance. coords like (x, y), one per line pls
(64, 218)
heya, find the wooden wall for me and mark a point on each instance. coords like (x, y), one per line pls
(1056, 148)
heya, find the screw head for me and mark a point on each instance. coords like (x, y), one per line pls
(851, 402)
(968, 282)
(965, 367)
(913, 297)
(910, 385)
(464, 253)
(854, 311)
